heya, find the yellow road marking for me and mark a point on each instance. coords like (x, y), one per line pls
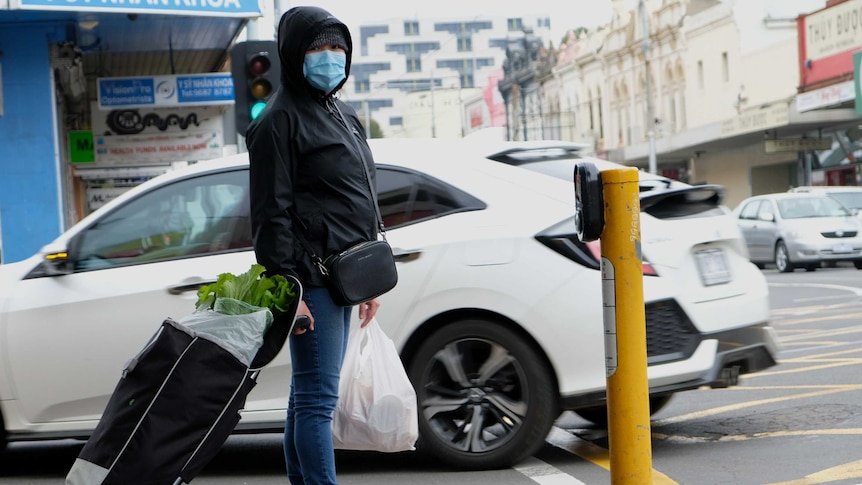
(840, 472)
(827, 333)
(811, 343)
(818, 318)
(594, 454)
(804, 369)
(733, 407)
(757, 436)
(827, 354)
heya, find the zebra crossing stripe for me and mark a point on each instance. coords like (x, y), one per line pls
(545, 474)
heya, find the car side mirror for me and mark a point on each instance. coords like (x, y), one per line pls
(59, 259)
(766, 216)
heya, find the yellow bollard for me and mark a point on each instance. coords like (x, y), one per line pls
(625, 330)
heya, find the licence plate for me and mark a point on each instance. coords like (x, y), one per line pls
(842, 248)
(712, 266)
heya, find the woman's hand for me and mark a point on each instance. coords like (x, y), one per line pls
(367, 310)
(303, 310)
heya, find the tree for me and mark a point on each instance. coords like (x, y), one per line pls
(375, 131)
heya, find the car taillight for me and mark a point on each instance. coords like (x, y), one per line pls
(595, 248)
(563, 239)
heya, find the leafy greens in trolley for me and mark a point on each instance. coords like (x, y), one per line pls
(253, 287)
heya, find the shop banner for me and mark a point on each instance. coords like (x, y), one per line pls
(758, 119)
(206, 89)
(833, 30)
(134, 137)
(212, 8)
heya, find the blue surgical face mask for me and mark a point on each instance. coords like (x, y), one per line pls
(325, 69)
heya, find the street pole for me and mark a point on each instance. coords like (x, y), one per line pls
(653, 168)
(625, 331)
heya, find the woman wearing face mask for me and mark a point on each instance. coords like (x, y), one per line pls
(307, 180)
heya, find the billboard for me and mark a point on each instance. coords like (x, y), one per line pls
(213, 8)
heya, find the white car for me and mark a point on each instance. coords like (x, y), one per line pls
(497, 313)
(849, 195)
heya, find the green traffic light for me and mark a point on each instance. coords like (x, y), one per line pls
(257, 109)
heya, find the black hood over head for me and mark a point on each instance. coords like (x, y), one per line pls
(296, 30)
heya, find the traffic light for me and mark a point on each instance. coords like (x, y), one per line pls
(256, 72)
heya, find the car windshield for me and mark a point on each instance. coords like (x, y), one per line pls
(852, 200)
(807, 207)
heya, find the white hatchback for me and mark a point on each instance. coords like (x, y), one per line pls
(497, 313)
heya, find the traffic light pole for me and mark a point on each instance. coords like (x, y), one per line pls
(261, 28)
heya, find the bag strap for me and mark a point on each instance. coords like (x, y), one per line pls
(302, 240)
(318, 261)
(353, 132)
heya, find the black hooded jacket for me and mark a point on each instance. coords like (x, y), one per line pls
(305, 158)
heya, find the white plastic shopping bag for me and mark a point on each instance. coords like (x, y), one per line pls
(377, 409)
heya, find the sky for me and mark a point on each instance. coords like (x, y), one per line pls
(564, 14)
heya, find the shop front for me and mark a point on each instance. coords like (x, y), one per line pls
(97, 97)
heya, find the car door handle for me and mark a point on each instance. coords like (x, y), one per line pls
(187, 287)
(406, 257)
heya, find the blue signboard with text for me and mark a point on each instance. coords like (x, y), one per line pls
(221, 8)
(165, 91)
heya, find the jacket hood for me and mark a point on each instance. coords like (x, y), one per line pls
(297, 28)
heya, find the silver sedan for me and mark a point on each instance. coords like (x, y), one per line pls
(795, 230)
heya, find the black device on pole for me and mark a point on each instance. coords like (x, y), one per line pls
(589, 203)
(256, 72)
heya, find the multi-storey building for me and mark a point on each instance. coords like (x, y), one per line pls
(443, 60)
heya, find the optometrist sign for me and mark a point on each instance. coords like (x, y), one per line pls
(216, 8)
(165, 91)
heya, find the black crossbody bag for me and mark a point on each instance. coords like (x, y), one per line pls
(363, 271)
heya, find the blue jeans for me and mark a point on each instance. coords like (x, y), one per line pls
(316, 358)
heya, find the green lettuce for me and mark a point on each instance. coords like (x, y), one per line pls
(253, 287)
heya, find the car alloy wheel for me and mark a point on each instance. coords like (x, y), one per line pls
(486, 398)
(782, 258)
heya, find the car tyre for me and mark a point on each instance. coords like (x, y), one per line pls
(782, 258)
(486, 397)
(857, 264)
(599, 414)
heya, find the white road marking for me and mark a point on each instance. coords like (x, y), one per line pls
(545, 474)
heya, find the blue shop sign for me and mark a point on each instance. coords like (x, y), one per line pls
(221, 8)
(165, 91)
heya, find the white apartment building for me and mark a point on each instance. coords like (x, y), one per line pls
(400, 64)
